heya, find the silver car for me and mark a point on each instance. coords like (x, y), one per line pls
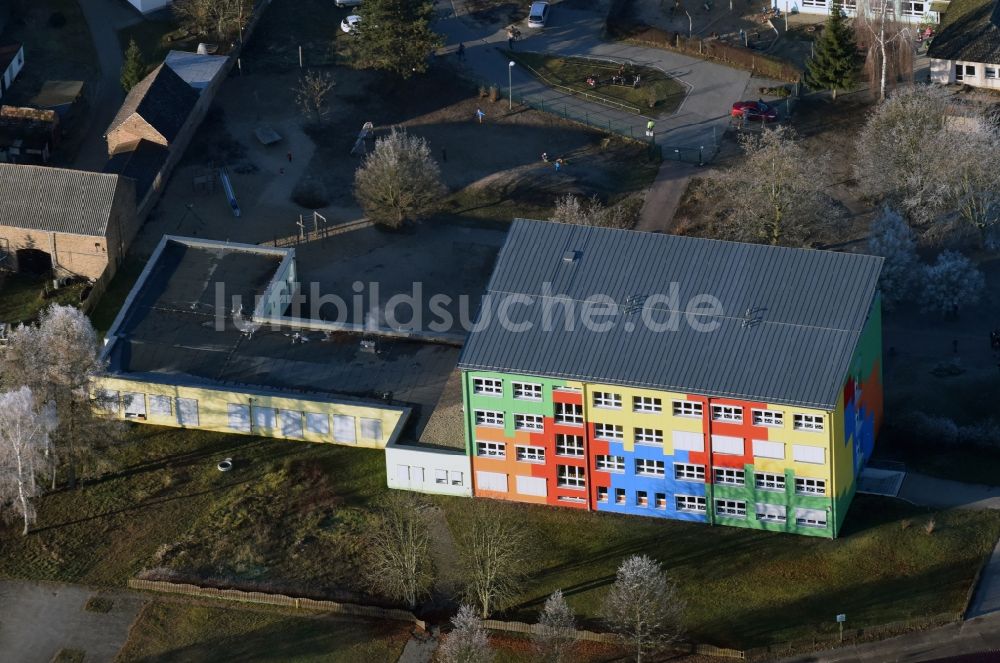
(347, 3)
(538, 14)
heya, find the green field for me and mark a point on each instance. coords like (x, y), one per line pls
(21, 296)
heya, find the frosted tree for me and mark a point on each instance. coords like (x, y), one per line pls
(971, 162)
(399, 180)
(398, 563)
(24, 457)
(556, 632)
(643, 606)
(467, 642)
(892, 238)
(890, 44)
(952, 282)
(493, 554)
(572, 209)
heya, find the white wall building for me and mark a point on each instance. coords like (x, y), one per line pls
(909, 11)
(434, 470)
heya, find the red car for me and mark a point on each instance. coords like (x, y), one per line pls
(755, 111)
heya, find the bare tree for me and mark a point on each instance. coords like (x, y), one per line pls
(889, 43)
(24, 443)
(58, 360)
(221, 18)
(397, 558)
(952, 282)
(467, 642)
(492, 547)
(572, 209)
(399, 180)
(643, 606)
(311, 94)
(556, 632)
(776, 194)
(892, 238)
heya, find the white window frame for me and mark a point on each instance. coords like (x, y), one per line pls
(601, 432)
(808, 518)
(571, 476)
(808, 486)
(620, 496)
(727, 414)
(730, 508)
(660, 501)
(528, 454)
(768, 418)
(526, 391)
(529, 422)
(457, 477)
(642, 498)
(569, 414)
(689, 472)
(689, 409)
(908, 8)
(487, 387)
(729, 476)
(129, 409)
(569, 445)
(772, 513)
(491, 418)
(441, 477)
(690, 503)
(648, 467)
(990, 73)
(769, 481)
(487, 449)
(609, 463)
(607, 400)
(156, 404)
(650, 436)
(371, 429)
(808, 422)
(647, 404)
(603, 494)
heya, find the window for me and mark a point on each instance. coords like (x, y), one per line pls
(970, 70)
(530, 454)
(660, 501)
(489, 418)
(649, 468)
(441, 477)
(814, 3)
(487, 386)
(187, 412)
(804, 454)
(728, 477)
(812, 422)
(529, 422)
(849, 5)
(108, 400)
(619, 496)
(610, 463)
(495, 481)
(457, 477)
(569, 413)
(607, 399)
(648, 436)
(534, 486)
(810, 518)
(574, 500)
(646, 404)
(569, 445)
(343, 428)
(767, 481)
(689, 503)
(959, 71)
(239, 417)
(318, 424)
(527, 391)
(135, 405)
(264, 418)
(687, 409)
(159, 406)
(810, 487)
(686, 472)
(403, 473)
(685, 441)
(491, 449)
(371, 429)
(731, 508)
(291, 423)
(609, 432)
(732, 414)
(724, 444)
(641, 498)
(774, 513)
(570, 476)
(768, 418)
(765, 449)
(602, 494)
(991, 72)
(915, 9)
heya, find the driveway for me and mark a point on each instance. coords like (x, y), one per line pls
(37, 620)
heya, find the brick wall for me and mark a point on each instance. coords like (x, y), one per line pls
(85, 255)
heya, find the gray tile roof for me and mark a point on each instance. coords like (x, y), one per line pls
(970, 32)
(807, 310)
(196, 69)
(56, 199)
(142, 163)
(162, 99)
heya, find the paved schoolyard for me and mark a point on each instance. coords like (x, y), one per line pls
(37, 620)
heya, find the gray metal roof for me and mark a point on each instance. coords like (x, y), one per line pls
(196, 69)
(56, 199)
(806, 308)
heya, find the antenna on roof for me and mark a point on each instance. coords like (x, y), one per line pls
(751, 317)
(634, 303)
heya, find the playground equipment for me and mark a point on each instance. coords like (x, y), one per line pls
(227, 185)
(366, 130)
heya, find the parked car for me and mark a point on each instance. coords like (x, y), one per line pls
(538, 14)
(755, 111)
(351, 23)
(347, 3)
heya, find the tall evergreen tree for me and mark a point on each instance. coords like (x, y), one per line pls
(395, 35)
(835, 60)
(133, 68)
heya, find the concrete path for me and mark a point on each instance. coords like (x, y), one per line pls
(945, 494)
(664, 196)
(37, 620)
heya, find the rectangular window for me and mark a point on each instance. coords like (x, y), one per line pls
(570, 476)
(291, 423)
(913, 8)
(317, 424)
(159, 406)
(569, 413)
(487, 386)
(687, 409)
(731, 508)
(810, 517)
(774, 513)
(687, 472)
(732, 414)
(530, 454)
(804, 454)
(768, 481)
(619, 496)
(489, 418)
(685, 441)
(641, 498)
(135, 405)
(689, 503)
(608, 400)
(532, 422)
(810, 486)
(441, 477)
(813, 422)
(264, 418)
(771, 418)
(661, 501)
(457, 477)
(602, 494)
(527, 391)
(187, 412)
(403, 473)
(991, 72)
(970, 70)
(534, 486)
(648, 436)
(959, 70)
(569, 445)
(573, 500)
(728, 477)
(609, 432)
(814, 3)
(371, 429)
(724, 444)
(239, 417)
(649, 468)
(765, 449)
(646, 404)
(344, 429)
(495, 481)
(491, 449)
(610, 463)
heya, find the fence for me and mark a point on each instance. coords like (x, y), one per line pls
(282, 600)
(319, 231)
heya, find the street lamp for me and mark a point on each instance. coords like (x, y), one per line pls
(510, 85)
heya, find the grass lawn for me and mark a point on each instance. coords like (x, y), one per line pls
(173, 631)
(156, 38)
(21, 297)
(657, 93)
(114, 296)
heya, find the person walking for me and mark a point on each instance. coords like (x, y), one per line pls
(649, 128)
(559, 163)
(480, 115)
(461, 51)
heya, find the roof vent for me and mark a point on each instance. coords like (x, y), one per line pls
(571, 256)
